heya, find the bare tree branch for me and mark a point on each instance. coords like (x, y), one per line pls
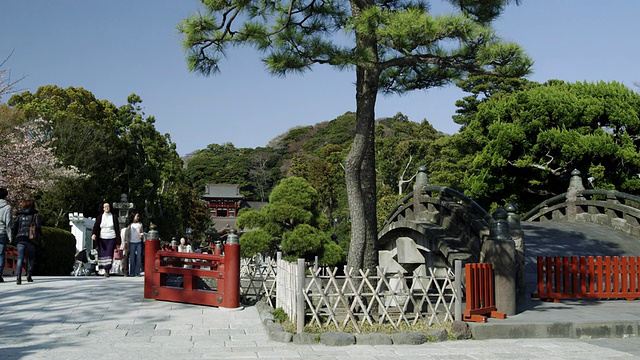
(6, 85)
(401, 181)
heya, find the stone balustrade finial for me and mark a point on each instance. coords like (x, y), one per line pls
(512, 216)
(576, 181)
(422, 178)
(500, 229)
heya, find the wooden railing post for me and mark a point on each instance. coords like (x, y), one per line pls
(151, 247)
(231, 298)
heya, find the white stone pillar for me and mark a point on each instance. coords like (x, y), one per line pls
(81, 229)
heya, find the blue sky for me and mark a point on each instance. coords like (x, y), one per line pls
(118, 47)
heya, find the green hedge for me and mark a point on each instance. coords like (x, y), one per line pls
(55, 254)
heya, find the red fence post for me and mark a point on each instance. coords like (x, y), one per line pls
(151, 247)
(231, 298)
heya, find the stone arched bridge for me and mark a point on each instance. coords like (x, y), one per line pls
(433, 226)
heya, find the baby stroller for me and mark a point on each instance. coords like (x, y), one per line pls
(86, 262)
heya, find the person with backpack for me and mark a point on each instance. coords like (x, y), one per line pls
(6, 220)
(26, 231)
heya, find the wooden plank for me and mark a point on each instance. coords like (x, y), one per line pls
(582, 274)
(549, 276)
(592, 275)
(600, 275)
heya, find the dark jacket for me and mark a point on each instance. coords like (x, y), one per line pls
(21, 224)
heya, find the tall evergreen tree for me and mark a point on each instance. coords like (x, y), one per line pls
(394, 47)
(522, 146)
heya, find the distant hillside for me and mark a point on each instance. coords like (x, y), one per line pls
(317, 153)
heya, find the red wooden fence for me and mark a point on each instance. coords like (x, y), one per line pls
(615, 277)
(177, 276)
(480, 302)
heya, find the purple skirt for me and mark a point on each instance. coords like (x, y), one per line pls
(105, 253)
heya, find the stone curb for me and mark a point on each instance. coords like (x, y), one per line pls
(277, 333)
(585, 330)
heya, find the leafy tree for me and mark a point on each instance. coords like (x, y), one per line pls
(323, 171)
(118, 148)
(84, 134)
(394, 46)
(401, 147)
(291, 221)
(522, 146)
(254, 242)
(226, 164)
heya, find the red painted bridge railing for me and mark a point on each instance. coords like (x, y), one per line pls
(203, 279)
(616, 277)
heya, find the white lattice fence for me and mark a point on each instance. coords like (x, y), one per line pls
(258, 279)
(358, 298)
(353, 298)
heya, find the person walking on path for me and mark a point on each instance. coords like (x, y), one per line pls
(134, 235)
(26, 237)
(6, 222)
(106, 231)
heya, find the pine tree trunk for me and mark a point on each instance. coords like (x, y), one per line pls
(360, 174)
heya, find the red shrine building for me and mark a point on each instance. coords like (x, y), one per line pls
(224, 201)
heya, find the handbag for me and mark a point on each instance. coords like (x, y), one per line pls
(33, 230)
(118, 253)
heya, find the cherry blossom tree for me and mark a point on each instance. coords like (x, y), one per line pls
(28, 164)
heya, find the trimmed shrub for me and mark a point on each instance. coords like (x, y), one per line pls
(55, 254)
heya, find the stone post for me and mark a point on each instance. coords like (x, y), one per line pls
(422, 180)
(517, 235)
(573, 193)
(499, 250)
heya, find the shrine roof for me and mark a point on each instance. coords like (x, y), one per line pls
(225, 191)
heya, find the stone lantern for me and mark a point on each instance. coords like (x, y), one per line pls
(124, 207)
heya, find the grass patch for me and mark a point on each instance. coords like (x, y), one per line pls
(369, 329)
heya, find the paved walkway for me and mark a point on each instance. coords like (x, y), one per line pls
(569, 318)
(97, 318)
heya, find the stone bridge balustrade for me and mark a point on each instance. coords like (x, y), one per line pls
(608, 208)
(432, 226)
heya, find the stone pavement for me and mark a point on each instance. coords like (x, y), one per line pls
(97, 318)
(582, 319)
